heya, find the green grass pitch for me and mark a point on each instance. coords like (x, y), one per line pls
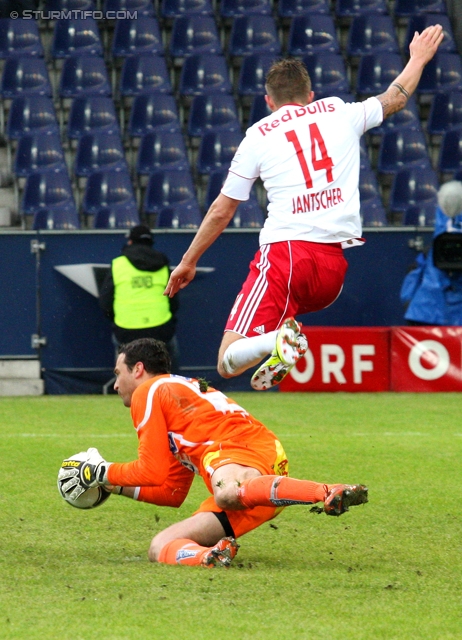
(390, 569)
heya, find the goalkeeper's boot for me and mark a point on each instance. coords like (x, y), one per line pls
(341, 497)
(290, 346)
(221, 554)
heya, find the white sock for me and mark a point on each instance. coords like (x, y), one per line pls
(242, 352)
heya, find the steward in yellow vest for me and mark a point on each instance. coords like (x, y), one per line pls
(132, 295)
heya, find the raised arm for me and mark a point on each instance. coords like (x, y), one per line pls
(422, 49)
(216, 220)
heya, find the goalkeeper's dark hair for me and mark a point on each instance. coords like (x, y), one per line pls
(152, 353)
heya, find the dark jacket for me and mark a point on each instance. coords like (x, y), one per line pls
(144, 258)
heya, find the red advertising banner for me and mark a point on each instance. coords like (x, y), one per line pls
(342, 359)
(426, 359)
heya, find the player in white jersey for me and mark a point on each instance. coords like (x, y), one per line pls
(307, 155)
(308, 159)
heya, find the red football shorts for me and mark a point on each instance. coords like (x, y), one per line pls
(287, 279)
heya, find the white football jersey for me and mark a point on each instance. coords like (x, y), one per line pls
(308, 159)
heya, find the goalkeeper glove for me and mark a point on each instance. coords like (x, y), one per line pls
(94, 470)
(84, 470)
(68, 477)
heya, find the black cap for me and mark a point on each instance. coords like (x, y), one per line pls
(140, 233)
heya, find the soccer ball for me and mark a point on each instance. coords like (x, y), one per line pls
(70, 488)
(89, 499)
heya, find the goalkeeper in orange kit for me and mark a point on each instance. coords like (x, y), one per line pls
(184, 429)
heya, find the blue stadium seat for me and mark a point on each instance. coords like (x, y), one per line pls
(420, 215)
(194, 34)
(31, 114)
(292, 8)
(143, 8)
(234, 8)
(377, 71)
(204, 74)
(371, 207)
(143, 74)
(258, 109)
(138, 36)
(48, 197)
(368, 184)
(161, 150)
(69, 5)
(99, 151)
(153, 112)
(445, 112)
(421, 21)
(401, 149)
(407, 8)
(217, 149)
(215, 182)
(407, 117)
(371, 33)
(38, 152)
(76, 36)
(364, 161)
(254, 34)
(107, 189)
(186, 215)
(19, 37)
(90, 114)
(249, 215)
(328, 74)
(450, 155)
(351, 8)
(213, 112)
(252, 74)
(46, 189)
(62, 217)
(84, 76)
(174, 8)
(24, 76)
(373, 213)
(442, 73)
(312, 33)
(166, 188)
(117, 216)
(413, 187)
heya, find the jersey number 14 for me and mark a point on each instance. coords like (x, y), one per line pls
(319, 164)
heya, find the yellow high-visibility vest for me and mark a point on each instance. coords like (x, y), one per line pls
(139, 299)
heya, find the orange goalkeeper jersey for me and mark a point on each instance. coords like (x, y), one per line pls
(172, 416)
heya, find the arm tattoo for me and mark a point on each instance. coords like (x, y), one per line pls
(401, 89)
(392, 101)
(385, 103)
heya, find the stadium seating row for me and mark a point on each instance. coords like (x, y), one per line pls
(169, 9)
(156, 113)
(197, 34)
(142, 74)
(110, 201)
(93, 123)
